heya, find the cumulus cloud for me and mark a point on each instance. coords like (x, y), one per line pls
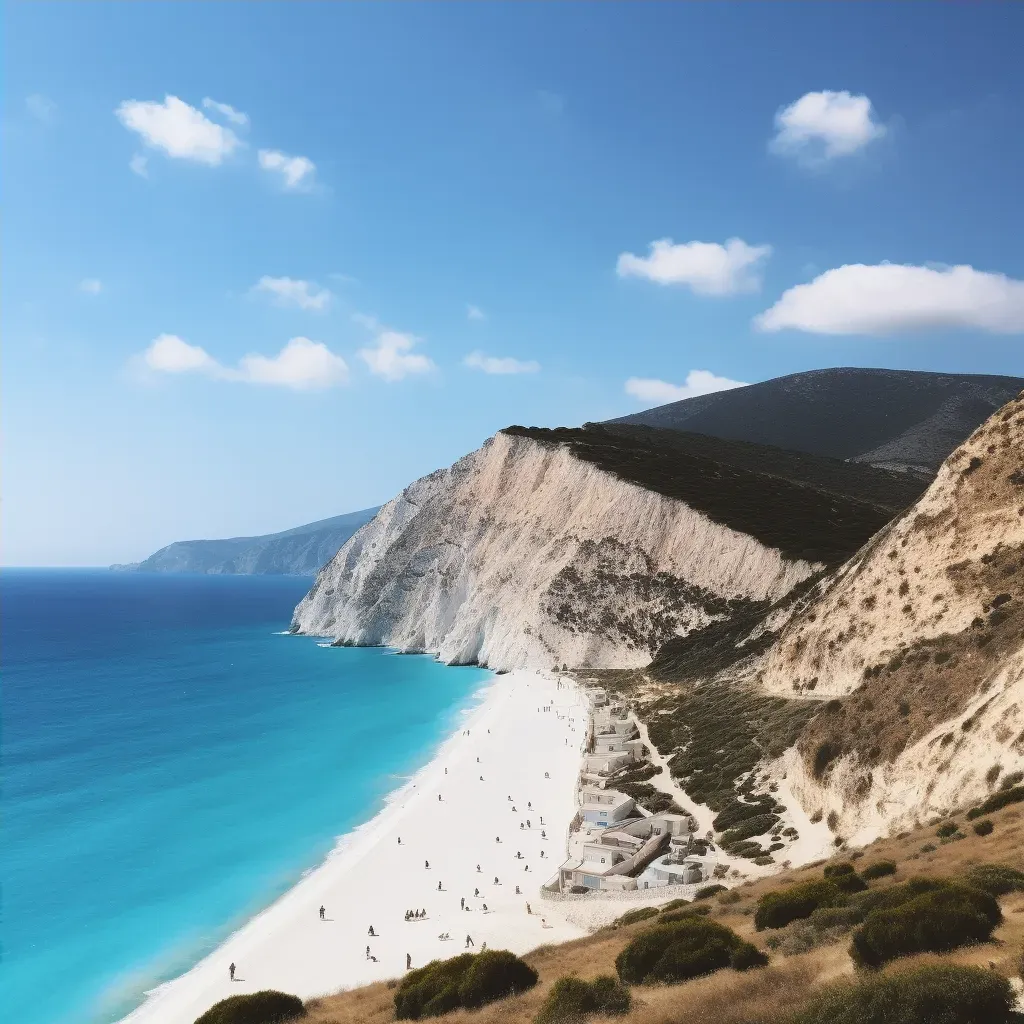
(302, 365)
(698, 382)
(178, 129)
(226, 110)
(295, 171)
(499, 365)
(41, 107)
(475, 313)
(171, 354)
(391, 356)
(891, 298)
(821, 126)
(287, 291)
(707, 268)
(139, 164)
(90, 285)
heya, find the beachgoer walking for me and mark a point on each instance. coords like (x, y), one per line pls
(408, 961)
(322, 912)
(399, 840)
(231, 972)
(469, 941)
(438, 886)
(476, 892)
(528, 910)
(367, 952)
(462, 903)
(518, 893)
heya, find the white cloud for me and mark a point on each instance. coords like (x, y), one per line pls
(475, 313)
(706, 267)
(90, 285)
(297, 171)
(225, 110)
(892, 298)
(287, 291)
(392, 357)
(302, 365)
(139, 164)
(170, 354)
(821, 126)
(178, 129)
(41, 107)
(500, 365)
(698, 382)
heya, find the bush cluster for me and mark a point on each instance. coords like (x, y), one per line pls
(983, 827)
(1001, 798)
(572, 1000)
(709, 890)
(995, 879)
(266, 1007)
(685, 949)
(933, 993)
(469, 981)
(879, 869)
(844, 877)
(923, 916)
(776, 909)
(632, 916)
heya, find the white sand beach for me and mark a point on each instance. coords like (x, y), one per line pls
(507, 747)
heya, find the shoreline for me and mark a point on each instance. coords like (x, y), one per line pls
(286, 946)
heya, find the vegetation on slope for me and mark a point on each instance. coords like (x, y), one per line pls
(807, 506)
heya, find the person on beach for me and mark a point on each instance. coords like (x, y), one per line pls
(408, 961)
(485, 908)
(478, 869)
(476, 892)
(481, 778)
(496, 882)
(399, 840)
(322, 912)
(438, 797)
(438, 886)
(231, 972)
(514, 811)
(462, 903)
(543, 834)
(426, 864)
(371, 932)
(528, 910)
(518, 893)
(469, 941)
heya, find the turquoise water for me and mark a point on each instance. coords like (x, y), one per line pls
(171, 764)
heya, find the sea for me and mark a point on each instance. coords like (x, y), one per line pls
(172, 762)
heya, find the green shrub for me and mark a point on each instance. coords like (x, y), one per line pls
(469, 980)
(679, 951)
(632, 916)
(777, 909)
(674, 905)
(1011, 780)
(1001, 798)
(709, 890)
(266, 1007)
(747, 956)
(837, 917)
(572, 1000)
(983, 827)
(946, 829)
(681, 915)
(995, 879)
(879, 869)
(755, 826)
(842, 868)
(923, 994)
(936, 921)
(495, 974)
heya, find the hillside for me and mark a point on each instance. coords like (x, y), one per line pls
(592, 547)
(897, 419)
(807, 957)
(300, 551)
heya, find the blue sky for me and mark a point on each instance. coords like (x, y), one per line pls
(414, 184)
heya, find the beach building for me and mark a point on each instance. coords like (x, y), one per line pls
(603, 807)
(616, 859)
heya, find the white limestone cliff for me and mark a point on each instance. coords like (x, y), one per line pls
(520, 555)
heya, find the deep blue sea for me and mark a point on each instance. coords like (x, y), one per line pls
(171, 764)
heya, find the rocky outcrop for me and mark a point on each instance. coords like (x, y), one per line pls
(522, 555)
(918, 644)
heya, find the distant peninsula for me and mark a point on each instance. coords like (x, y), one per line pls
(297, 552)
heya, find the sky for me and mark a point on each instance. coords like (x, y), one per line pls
(268, 263)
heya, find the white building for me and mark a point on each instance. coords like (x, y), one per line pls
(605, 807)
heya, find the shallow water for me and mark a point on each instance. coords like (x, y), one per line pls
(172, 762)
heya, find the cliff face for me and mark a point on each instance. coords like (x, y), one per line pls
(522, 555)
(919, 641)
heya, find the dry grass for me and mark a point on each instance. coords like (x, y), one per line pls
(768, 996)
